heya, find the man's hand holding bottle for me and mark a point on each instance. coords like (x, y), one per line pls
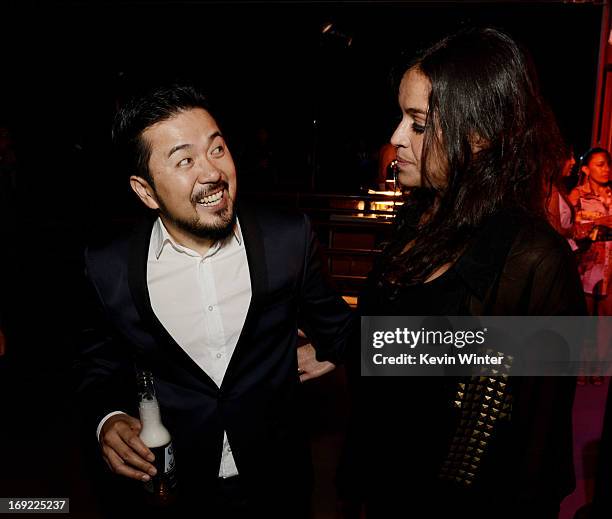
(123, 450)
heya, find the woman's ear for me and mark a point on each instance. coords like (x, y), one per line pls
(144, 191)
(585, 170)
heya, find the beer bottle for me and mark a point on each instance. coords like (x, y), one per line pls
(161, 490)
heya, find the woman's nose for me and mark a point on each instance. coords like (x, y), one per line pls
(399, 137)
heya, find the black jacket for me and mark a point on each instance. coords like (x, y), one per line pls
(256, 403)
(404, 428)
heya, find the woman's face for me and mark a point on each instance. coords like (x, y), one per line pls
(408, 136)
(567, 167)
(598, 168)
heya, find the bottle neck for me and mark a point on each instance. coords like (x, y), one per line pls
(146, 387)
(149, 412)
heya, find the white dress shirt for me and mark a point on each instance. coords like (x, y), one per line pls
(202, 301)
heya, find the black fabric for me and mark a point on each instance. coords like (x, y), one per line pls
(256, 403)
(401, 427)
(222, 499)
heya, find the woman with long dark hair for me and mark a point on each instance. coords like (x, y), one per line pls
(559, 209)
(475, 148)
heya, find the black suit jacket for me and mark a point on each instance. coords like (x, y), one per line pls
(256, 403)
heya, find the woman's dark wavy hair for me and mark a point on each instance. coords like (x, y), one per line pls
(483, 89)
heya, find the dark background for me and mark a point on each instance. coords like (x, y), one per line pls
(65, 66)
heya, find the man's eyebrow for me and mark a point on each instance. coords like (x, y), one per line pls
(213, 136)
(178, 147)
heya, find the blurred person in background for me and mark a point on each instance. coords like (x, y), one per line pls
(592, 203)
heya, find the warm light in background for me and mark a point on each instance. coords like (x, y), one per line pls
(388, 193)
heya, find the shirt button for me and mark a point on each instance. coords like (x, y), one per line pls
(210, 308)
(219, 355)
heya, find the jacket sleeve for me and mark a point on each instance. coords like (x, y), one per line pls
(104, 376)
(324, 316)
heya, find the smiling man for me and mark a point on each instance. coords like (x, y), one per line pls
(208, 295)
(190, 179)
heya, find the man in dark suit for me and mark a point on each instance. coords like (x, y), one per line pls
(208, 295)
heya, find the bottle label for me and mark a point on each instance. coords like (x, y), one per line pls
(169, 458)
(165, 479)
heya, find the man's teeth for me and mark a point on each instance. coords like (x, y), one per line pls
(211, 199)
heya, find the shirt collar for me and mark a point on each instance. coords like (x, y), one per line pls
(160, 237)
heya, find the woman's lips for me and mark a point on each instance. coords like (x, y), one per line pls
(401, 162)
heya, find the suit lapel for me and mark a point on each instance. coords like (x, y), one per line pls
(137, 280)
(252, 234)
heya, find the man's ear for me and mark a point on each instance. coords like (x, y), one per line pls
(144, 191)
(585, 170)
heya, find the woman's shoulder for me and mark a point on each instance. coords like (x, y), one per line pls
(532, 246)
(540, 276)
(577, 193)
(537, 239)
(511, 236)
(574, 196)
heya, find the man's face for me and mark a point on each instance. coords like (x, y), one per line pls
(193, 174)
